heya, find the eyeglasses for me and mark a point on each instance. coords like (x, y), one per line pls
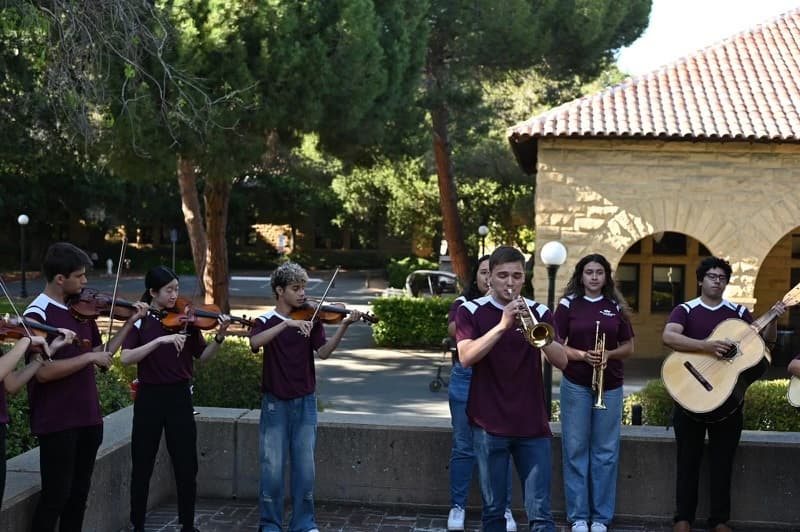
(717, 277)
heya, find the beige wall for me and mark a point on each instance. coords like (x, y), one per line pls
(739, 199)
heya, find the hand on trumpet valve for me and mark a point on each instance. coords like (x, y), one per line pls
(592, 357)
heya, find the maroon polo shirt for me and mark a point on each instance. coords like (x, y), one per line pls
(699, 320)
(506, 395)
(72, 401)
(164, 365)
(288, 368)
(577, 320)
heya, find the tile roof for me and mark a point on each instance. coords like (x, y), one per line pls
(746, 87)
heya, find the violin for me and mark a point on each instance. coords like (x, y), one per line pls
(328, 313)
(89, 304)
(13, 329)
(203, 317)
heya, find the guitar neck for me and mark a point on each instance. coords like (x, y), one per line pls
(761, 323)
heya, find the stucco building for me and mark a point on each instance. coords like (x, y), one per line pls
(699, 157)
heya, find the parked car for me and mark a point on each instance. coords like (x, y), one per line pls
(431, 283)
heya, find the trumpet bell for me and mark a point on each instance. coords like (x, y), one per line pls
(540, 335)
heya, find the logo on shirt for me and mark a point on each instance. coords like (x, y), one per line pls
(607, 313)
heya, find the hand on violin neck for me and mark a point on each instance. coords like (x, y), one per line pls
(65, 337)
(224, 321)
(354, 316)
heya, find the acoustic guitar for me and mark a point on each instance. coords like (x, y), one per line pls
(713, 387)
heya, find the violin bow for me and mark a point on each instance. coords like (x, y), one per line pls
(16, 312)
(114, 292)
(324, 294)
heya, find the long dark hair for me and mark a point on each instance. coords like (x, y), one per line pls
(156, 279)
(472, 291)
(609, 288)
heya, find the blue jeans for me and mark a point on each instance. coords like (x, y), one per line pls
(533, 462)
(287, 428)
(590, 452)
(462, 457)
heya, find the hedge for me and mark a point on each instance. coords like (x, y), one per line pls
(410, 322)
(765, 406)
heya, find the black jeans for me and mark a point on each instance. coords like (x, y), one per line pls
(66, 460)
(723, 439)
(164, 408)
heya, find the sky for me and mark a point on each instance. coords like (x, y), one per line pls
(680, 27)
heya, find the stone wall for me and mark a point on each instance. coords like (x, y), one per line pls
(740, 199)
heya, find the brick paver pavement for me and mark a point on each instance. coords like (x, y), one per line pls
(214, 515)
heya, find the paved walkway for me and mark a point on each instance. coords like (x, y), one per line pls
(232, 515)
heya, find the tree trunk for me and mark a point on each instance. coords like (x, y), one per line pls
(448, 196)
(215, 279)
(193, 216)
(436, 79)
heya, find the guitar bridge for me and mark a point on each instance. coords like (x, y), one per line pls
(697, 375)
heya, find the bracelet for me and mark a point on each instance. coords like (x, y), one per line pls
(219, 338)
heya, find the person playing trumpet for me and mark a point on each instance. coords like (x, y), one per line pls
(506, 403)
(593, 319)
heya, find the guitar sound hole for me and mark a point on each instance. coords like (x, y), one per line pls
(730, 353)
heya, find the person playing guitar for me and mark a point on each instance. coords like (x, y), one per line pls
(689, 329)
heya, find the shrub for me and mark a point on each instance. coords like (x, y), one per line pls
(765, 406)
(398, 270)
(656, 404)
(410, 322)
(232, 379)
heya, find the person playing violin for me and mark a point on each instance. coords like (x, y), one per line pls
(288, 424)
(12, 381)
(64, 404)
(163, 401)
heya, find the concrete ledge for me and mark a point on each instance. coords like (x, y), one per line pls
(405, 460)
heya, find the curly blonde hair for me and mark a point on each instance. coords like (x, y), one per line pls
(287, 274)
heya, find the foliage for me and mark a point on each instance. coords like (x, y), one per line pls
(232, 379)
(765, 406)
(656, 404)
(410, 322)
(398, 269)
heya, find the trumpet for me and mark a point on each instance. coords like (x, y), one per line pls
(597, 372)
(536, 333)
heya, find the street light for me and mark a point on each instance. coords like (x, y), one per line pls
(22, 220)
(483, 231)
(553, 255)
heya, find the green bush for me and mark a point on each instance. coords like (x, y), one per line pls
(410, 322)
(232, 379)
(765, 406)
(398, 269)
(656, 404)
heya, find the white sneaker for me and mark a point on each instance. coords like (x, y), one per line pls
(455, 521)
(598, 527)
(511, 525)
(580, 526)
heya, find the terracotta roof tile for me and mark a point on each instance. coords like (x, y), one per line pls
(745, 87)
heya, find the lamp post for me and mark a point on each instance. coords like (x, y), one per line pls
(553, 255)
(22, 220)
(483, 231)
